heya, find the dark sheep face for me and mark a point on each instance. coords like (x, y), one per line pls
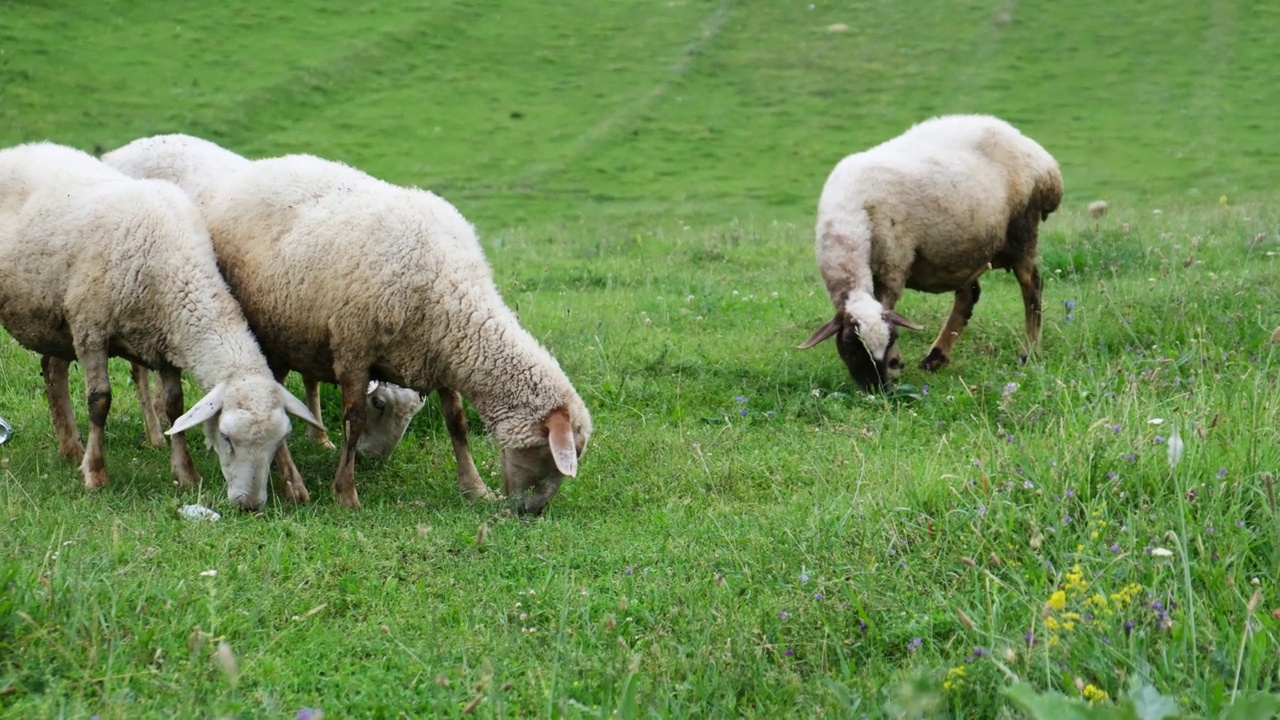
(870, 374)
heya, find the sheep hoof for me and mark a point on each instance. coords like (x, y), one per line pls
(934, 360)
(480, 493)
(347, 500)
(93, 480)
(295, 492)
(320, 438)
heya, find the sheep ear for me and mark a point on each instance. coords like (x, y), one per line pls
(564, 448)
(205, 408)
(373, 385)
(893, 317)
(822, 333)
(298, 409)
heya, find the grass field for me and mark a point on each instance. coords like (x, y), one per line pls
(749, 535)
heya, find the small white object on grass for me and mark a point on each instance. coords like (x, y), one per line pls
(198, 512)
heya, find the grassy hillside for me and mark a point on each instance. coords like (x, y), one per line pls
(749, 536)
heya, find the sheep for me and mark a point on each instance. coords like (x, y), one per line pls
(196, 165)
(348, 279)
(930, 210)
(388, 410)
(95, 264)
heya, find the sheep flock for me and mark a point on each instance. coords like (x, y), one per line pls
(180, 255)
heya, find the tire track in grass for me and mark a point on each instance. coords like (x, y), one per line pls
(378, 60)
(707, 31)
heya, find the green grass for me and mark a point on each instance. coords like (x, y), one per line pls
(644, 176)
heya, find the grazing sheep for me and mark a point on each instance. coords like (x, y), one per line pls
(349, 279)
(930, 210)
(95, 264)
(389, 408)
(197, 166)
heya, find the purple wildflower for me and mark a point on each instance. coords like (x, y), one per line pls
(818, 596)
(628, 571)
(1070, 305)
(1028, 485)
(740, 399)
(783, 614)
(1157, 606)
(804, 577)
(862, 626)
(1071, 493)
(1159, 439)
(1115, 547)
(979, 652)
(1222, 473)
(1008, 438)
(1030, 637)
(743, 412)
(790, 652)
(1130, 457)
(915, 644)
(1112, 476)
(1147, 550)
(924, 390)
(1239, 523)
(1066, 519)
(303, 714)
(1116, 428)
(1128, 627)
(982, 511)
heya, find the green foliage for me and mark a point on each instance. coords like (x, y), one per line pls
(749, 535)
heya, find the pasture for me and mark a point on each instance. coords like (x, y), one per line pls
(749, 535)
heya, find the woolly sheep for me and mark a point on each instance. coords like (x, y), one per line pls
(348, 279)
(930, 210)
(95, 264)
(196, 165)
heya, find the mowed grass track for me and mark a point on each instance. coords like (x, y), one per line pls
(748, 536)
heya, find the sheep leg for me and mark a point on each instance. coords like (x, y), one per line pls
(961, 311)
(57, 389)
(290, 485)
(354, 384)
(312, 388)
(93, 358)
(1032, 289)
(184, 470)
(150, 419)
(469, 482)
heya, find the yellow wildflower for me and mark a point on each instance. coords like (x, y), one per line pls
(955, 678)
(1126, 594)
(1076, 584)
(1058, 600)
(1095, 694)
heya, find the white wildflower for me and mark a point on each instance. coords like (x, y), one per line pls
(1162, 552)
(1175, 448)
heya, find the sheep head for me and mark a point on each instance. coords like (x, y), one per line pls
(245, 422)
(532, 475)
(388, 410)
(866, 337)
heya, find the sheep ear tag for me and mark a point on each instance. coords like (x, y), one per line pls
(564, 449)
(900, 321)
(822, 333)
(205, 408)
(298, 409)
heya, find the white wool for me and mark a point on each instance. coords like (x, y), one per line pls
(91, 259)
(872, 327)
(930, 208)
(199, 167)
(341, 273)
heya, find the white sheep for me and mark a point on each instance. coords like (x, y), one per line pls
(96, 264)
(197, 166)
(930, 210)
(348, 279)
